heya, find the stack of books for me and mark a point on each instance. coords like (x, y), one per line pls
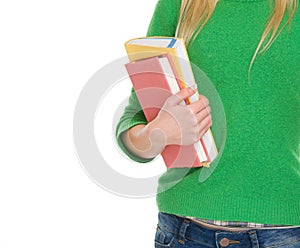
(160, 67)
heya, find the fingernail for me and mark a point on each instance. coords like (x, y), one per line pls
(191, 90)
(193, 87)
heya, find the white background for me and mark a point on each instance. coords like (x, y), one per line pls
(49, 50)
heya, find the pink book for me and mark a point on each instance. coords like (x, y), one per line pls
(154, 80)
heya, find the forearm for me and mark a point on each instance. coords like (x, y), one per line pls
(145, 141)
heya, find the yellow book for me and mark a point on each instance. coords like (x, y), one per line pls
(146, 47)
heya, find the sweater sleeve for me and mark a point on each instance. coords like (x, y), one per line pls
(163, 23)
(132, 115)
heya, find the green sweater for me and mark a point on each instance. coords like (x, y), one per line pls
(257, 176)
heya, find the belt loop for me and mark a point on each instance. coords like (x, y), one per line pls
(185, 223)
(253, 238)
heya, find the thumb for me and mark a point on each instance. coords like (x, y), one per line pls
(181, 95)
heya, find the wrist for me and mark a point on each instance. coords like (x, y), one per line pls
(157, 136)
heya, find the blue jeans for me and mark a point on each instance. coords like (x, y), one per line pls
(176, 232)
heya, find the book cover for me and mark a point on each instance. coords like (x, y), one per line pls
(154, 80)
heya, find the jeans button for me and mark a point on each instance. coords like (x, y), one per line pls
(224, 242)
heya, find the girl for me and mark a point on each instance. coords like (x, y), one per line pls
(250, 51)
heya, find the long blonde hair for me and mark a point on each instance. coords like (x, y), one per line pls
(196, 13)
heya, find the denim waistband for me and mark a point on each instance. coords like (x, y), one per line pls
(188, 232)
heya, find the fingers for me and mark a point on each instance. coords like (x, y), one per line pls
(180, 96)
(199, 105)
(201, 115)
(201, 111)
(204, 125)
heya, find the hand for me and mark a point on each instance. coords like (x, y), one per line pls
(183, 124)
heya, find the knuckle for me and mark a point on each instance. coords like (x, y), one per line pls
(190, 109)
(194, 123)
(204, 100)
(195, 138)
(207, 120)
